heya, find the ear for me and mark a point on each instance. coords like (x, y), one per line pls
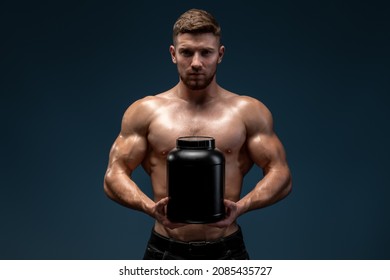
(173, 54)
(221, 52)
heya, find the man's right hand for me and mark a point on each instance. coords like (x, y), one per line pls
(160, 214)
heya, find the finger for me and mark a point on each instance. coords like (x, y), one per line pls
(221, 224)
(160, 205)
(176, 225)
(230, 204)
(163, 201)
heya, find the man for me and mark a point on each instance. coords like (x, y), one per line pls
(197, 105)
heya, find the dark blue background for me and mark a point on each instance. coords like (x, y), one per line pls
(69, 69)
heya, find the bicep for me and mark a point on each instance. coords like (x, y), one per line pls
(264, 146)
(266, 151)
(130, 147)
(127, 153)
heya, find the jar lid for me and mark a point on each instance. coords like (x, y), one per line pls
(195, 142)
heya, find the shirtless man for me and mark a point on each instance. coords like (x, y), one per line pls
(241, 126)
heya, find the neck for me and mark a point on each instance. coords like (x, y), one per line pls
(197, 96)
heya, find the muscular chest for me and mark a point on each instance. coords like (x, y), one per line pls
(227, 129)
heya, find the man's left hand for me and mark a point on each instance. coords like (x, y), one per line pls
(232, 212)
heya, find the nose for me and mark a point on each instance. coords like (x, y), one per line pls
(196, 63)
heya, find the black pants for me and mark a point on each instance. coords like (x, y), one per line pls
(231, 247)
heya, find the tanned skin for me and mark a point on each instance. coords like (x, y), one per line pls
(242, 127)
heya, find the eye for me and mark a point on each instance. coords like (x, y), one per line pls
(185, 53)
(206, 52)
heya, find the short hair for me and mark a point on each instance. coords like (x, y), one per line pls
(196, 21)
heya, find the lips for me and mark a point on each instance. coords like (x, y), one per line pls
(195, 76)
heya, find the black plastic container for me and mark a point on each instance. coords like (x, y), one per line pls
(196, 181)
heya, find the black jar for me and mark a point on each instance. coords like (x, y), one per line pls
(196, 181)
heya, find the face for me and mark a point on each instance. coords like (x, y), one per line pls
(197, 57)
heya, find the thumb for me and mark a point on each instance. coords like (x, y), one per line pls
(160, 205)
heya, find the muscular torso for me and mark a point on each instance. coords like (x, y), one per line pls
(171, 117)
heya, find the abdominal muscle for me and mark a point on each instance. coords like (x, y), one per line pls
(195, 232)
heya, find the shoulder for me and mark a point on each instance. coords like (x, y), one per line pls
(256, 116)
(139, 114)
(244, 102)
(145, 104)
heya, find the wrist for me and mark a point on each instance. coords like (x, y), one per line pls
(242, 207)
(149, 208)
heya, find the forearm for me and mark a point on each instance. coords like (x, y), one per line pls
(120, 188)
(274, 186)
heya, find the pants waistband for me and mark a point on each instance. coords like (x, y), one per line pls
(195, 248)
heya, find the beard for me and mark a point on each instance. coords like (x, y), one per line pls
(197, 82)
